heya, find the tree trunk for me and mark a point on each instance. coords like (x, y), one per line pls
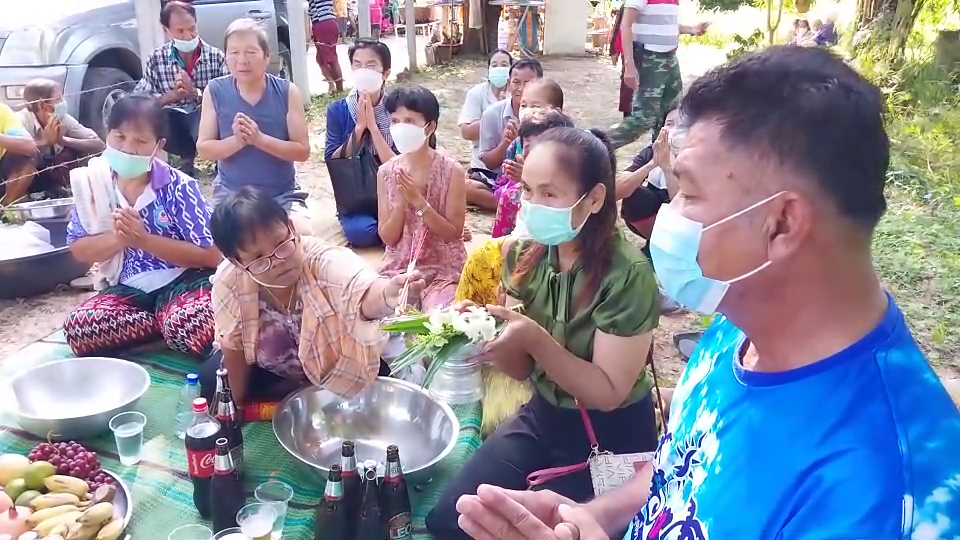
(480, 40)
(904, 17)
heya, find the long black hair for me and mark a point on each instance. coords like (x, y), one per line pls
(590, 159)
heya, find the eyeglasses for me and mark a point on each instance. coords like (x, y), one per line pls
(282, 253)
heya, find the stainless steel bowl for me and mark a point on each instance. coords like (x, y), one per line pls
(122, 501)
(312, 423)
(76, 398)
(39, 210)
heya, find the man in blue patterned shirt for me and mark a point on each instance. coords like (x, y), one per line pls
(807, 412)
(177, 73)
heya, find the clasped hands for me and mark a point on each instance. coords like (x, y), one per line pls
(184, 85)
(246, 130)
(366, 118)
(495, 513)
(129, 228)
(408, 189)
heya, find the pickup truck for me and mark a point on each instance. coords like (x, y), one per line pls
(91, 46)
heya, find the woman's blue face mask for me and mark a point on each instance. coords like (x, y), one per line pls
(548, 225)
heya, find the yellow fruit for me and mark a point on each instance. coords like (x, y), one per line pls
(84, 532)
(51, 500)
(36, 472)
(27, 496)
(44, 528)
(112, 530)
(58, 532)
(97, 515)
(40, 516)
(12, 466)
(59, 483)
(15, 488)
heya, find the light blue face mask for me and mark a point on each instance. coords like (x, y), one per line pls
(60, 109)
(127, 166)
(548, 225)
(186, 46)
(498, 76)
(675, 246)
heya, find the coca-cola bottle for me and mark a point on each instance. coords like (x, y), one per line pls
(226, 489)
(351, 483)
(371, 525)
(396, 498)
(225, 411)
(331, 521)
(200, 440)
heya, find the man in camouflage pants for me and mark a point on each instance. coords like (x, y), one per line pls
(650, 31)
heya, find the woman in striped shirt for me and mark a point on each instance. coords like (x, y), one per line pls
(326, 35)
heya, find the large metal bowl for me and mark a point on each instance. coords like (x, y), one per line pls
(40, 210)
(76, 398)
(24, 277)
(312, 423)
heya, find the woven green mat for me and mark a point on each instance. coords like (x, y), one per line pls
(160, 486)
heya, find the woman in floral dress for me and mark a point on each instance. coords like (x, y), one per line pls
(422, 200)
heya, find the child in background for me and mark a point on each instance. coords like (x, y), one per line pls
(508, 205)
(541, 95)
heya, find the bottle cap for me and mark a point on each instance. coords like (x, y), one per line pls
(200, 405)
(222, 441)
(192, 379)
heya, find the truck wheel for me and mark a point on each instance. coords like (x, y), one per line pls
(101, 87)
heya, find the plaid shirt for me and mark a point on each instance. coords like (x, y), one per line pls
(160, 75)
(339, 349)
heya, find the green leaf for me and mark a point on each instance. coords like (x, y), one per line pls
(407, 359)
(442, 356)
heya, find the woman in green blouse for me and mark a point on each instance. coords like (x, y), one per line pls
(591, 305)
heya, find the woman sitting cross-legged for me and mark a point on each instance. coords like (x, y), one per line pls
(421, 199)
(253, 125)
(591, 307)
(292, 310)
(155, 252)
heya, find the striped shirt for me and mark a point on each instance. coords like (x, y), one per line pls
(657, 25)
(320, 10)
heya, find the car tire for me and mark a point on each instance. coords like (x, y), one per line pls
(101, 88)
(286, 62)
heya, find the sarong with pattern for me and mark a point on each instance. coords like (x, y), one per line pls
(122, 317)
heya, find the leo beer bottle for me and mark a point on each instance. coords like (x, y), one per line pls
(371, 525)
(332, 521)
(200, 441)
(351, 483)
(226, 488)
(396, 498)
(224, 409)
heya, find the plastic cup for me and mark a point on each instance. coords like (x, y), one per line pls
(190, 532)
(277, 494)
(256, 520)
(127, 431)
(233, 533)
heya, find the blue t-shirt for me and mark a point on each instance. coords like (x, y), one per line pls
(864, 445)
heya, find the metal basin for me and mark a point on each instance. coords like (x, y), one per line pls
(76, 398)
(312, 423)
(122, 501)
(24, 277)
(40, 210)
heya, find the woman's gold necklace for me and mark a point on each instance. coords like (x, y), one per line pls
(289, 306)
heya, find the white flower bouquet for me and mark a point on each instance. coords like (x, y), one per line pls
(448, 334)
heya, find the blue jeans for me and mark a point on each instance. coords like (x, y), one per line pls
(360, 230)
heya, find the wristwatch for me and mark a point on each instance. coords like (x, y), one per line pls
(422, 210)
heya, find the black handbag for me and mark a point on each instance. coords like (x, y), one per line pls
(354, 178)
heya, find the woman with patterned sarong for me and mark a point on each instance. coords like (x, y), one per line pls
(153, 242)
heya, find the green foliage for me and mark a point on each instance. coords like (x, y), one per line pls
(744, 45)
(723, 5)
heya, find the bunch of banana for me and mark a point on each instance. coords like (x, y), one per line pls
(77, 521)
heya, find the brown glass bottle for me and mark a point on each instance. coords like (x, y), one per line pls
(351, 484)
(371, 525)
(226, 489)
(331, 521)
(224, 409)
(396, 498)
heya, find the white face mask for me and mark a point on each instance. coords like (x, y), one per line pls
(367, 80)
(186, 46)
(408, 137)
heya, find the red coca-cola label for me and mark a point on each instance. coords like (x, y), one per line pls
(200, 462)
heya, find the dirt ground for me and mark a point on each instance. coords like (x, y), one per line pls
(590, 88)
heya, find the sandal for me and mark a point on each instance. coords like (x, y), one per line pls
(686, 343)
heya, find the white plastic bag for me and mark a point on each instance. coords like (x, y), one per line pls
(18, 241)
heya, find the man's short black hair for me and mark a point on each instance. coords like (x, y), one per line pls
(240, 216)
(378, 47)
(809, 110)
(168, 9)
(528, 63)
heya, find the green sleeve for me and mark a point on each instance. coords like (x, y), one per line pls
(509, 263)
(631, 303)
